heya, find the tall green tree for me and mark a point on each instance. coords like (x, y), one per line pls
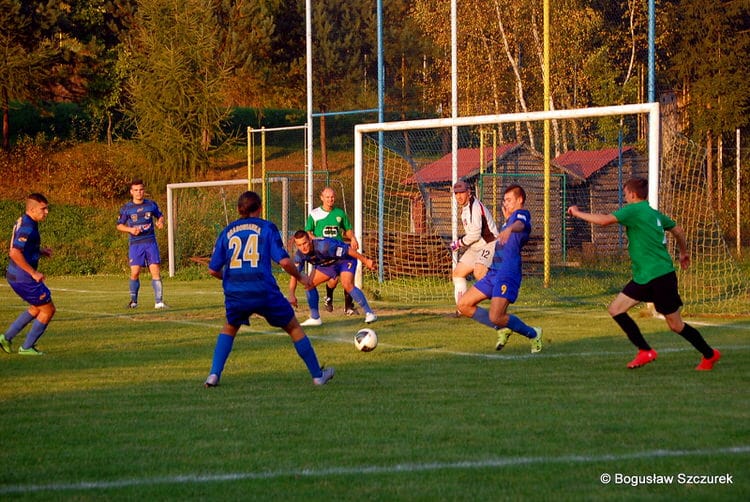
(100, 28)
(245, 34)
(344, 58)
(406, 50)
(710, 62)
(709, 66)
(27, 53)
(177, 83)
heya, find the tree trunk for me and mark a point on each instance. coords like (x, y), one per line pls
(109, 129)
(709, 165)
(719, 172)
(520, 98)
(539, 45)
(6, 121)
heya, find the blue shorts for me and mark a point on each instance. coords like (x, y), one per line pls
(496, 285)
(340, 266)
(273, 306)
(143, 254)
(30, 291)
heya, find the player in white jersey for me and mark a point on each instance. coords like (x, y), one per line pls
(478, 241)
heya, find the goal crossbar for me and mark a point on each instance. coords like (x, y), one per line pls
(652, 109)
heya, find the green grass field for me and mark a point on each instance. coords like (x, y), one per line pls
(116, 409)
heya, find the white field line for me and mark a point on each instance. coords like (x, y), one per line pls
(348, 340)
(198, 292)
(498, 462)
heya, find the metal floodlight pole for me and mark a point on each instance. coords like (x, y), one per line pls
(651, 51)
(381, 174)
(454, 115)
(547, 148)
(308, 70)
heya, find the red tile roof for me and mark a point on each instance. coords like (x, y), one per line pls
(587, 162)
(467, 166)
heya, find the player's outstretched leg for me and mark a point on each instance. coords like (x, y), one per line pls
(306, 352)
(645, 353)
(313, 301)
(693, 336)
(222, 349)
(16, 326)
(28, 348)
(359, 297)
(533, 334)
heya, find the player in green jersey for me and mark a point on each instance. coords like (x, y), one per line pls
(332, 222)
(654, 278)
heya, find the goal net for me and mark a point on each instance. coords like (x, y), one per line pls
(277, 168)
(197, 212)
(405, 214)
(714, 283)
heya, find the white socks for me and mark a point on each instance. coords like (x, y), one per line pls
(459, 287)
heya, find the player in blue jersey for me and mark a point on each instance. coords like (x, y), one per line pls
(242, 259)
(327, 220)
(503, 281)
(331, 258)
(138, 218)
(26, 280)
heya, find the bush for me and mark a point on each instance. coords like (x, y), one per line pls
(83, 240)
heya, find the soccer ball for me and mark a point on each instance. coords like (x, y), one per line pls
(365, 340)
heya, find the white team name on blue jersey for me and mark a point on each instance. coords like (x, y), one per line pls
(245, 226)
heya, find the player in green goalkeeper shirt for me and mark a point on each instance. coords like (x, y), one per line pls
(332, 222)
(654, 277)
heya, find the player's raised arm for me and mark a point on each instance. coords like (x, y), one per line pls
(367, 262)
(595, 218)
(517, 226)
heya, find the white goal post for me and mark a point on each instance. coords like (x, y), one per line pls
(222, 183)
(652, 109)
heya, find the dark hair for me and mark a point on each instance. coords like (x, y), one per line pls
(38, 197)
(248, 203)
(518, 190)
(638, 186)
(136, 181)
(300, 234)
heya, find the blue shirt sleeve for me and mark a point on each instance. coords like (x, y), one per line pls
(218, 257)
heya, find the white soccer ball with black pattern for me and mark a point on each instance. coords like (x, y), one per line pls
(365, 340)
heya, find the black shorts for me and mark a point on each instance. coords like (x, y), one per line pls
(662, 292)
